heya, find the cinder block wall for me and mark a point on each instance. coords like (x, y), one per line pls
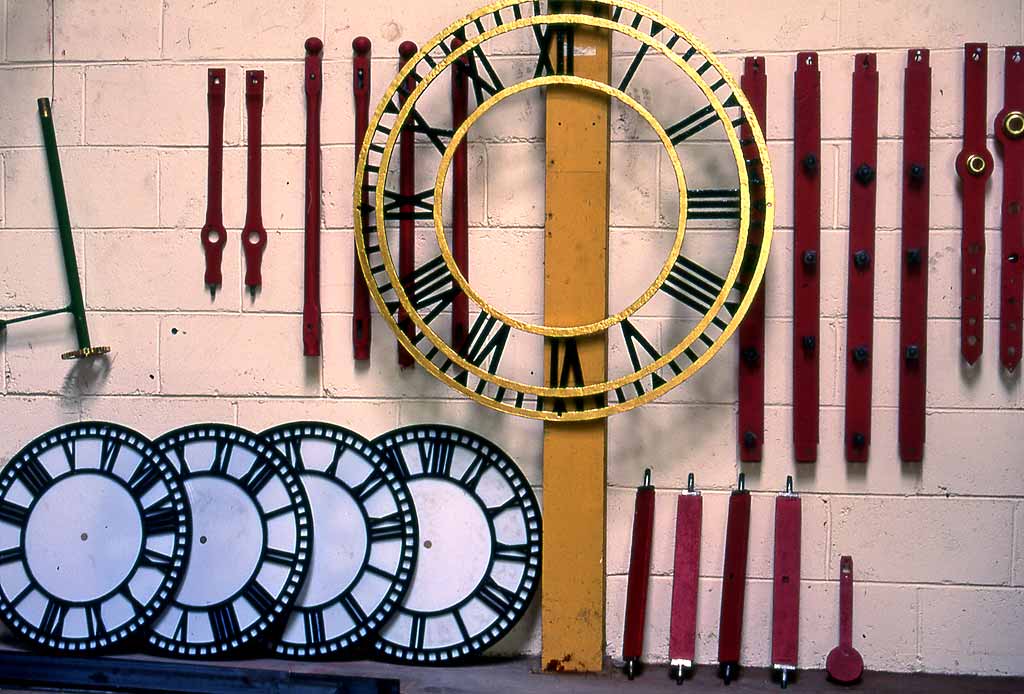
(938, 548)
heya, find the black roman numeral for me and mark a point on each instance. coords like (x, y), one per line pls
(496, 597)
(566, 371)
(474, 472)
(259, 597)
(641, 52)
(181, 628)
(368, 487)
(156, 560)
(695, 286)
(485, 342)
(159, 521)
(109, 450)
(417, 631)
(222, 457)
(257, 477)
(34, 476)
(433, 290)
(354, 609)
(386, 528)
(421, 204)
(563, 40)
(69, 453)
(313, 623)
(700, 120)
(516, 553)
(280, 556)
(292, 451)
(13, 513)
(495, 511)
(94, 621)
(634, 339)
(437, 136)
(484, 87)
(713, 203)
(12, 554)
(223, 622)
(53, 618)
(143, 478)
(437, 457)
(397, 461)
(339, 450)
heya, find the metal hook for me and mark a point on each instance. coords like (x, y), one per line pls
(689, 483)
(647, 477)
(789, 484)
(741, 485)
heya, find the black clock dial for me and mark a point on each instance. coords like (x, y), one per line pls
(93, 537)
(479, 545)
(251, 540)
(364, 544)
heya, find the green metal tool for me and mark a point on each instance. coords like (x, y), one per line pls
(76, 307)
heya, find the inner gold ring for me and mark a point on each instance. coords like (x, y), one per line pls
(1013, 124)
(442, 174)
(976, 164)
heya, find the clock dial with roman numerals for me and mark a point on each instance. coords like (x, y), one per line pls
(694, 249)
(93, 537)
(364, 546)
(251, 540)
(478, 563)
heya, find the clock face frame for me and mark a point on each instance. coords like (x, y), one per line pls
(99, 501)
(252, 536)
(715, 296)
(480, 535)
(365, 539)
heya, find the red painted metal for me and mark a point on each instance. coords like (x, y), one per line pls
(974, 166)
(685, 574)
(406, 224)
(639, 575)
(361, 330)
(734, 578)
(806, 255)
(917, 102)
(460, 200)
(311, 305)
(786, 582)
(750, 422)
(844, 664)
(213, 236)
(861, 293)
(254, 236)
(1010, 131)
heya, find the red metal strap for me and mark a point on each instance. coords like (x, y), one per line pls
(846, 602)
(360, 294)
(974, 166)
(861, 294)
(917, 103)
(639, 572)
(786, 582)
(685, 574)
(407, 211)
(311, 304)
(254, 236)
(213, 236)
(1010, 131)
(734, 578)
(750, 424)
(806, 255)
(460, 200)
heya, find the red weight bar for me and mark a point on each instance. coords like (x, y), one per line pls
(917, 102)
(1009, 131)
(213, 236)
(844, 664)
(974, 166)
(360, 294)
(861, 294)
(786, 584)
(460, 200)
(685, 575)
(734, 579)
(806, 255)
(639, 576)
(407, 190)
(254, 236)
(313, 79)
(750, 424)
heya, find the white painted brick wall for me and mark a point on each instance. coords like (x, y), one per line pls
(938, 547)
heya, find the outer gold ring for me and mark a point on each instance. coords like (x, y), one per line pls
(442, 241)
(976, 164)
(1013, 124)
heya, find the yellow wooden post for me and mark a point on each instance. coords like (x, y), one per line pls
(575, 292)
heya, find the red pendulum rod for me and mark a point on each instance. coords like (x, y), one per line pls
(213, 236)
(844, 664)
(460, 200)
(806, 256)
(750, 424)
(786, 584)
(734, 578)
(974, 167)
(311, 304)
(254, 236)
(685, 575)
(860, 307)
(360, 293)
(406, 210)
(639, 576)
(914, 285)
(1009, 131)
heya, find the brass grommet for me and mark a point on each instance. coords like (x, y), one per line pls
(85, 353)
(976, 164)
(1013, 124)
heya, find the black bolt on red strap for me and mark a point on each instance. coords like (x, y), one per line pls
(407, 211)
(786, 584)
(750, 423)
(974, 166)
(806, 255)
(360, 294)
(685, 576)
(861, 294)
(254, 236)
(1010, 131)
(639, 576)
(213, 236)
(734, 579)
(460, 200)
(311, 304)
(917, 102)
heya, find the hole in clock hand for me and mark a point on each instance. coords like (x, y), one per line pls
(428, 544)
(202, 539)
